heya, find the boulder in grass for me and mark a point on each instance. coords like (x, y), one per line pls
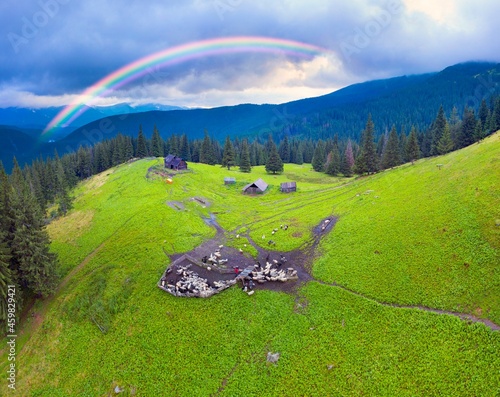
(273, 357)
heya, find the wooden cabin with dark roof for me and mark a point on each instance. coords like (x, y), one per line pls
(288, 187)
(257, 187)
(173, 162)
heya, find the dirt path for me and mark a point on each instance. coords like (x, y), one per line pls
(464, 316)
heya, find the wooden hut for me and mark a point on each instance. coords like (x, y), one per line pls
(229, 181)
(259, 186)
(173, 162)
(288, 187)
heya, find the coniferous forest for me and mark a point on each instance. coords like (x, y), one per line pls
(31, 196)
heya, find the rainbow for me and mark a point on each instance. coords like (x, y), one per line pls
(175, 55)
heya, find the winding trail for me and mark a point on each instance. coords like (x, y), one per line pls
(464, 316)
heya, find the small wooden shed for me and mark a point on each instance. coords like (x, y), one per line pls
(173, 162)
(288, 187)
(229, 181)
(259, 186)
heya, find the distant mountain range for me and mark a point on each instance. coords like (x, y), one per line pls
(403, 101)
(33, 121)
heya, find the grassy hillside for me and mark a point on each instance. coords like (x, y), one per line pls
(417, 235)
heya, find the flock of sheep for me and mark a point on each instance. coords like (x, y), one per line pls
(190, 284)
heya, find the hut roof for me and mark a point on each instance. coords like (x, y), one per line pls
(230, 179)
(288, 185)
(259, 183)
(169, 158)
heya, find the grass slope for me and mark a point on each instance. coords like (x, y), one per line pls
(404, 236)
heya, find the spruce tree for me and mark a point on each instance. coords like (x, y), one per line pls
(403, 141)
(495, 117)
(466, 135)
(484, 113)
(445, 144)
(412, 147)
(207, 155)
(392, 157)
(319, 157)
(245, 164)
(455, 124)
(367, 159)
(349, 155)
(299, 157)
(333, 162)
(284, 150)
(479, 133)
(228, 157)
(128, 149)
(34, 264)
(142, 146)
(156, 143)
(5, 206)
(6, 278)
(184, 150)
(345, 169)
(438, 129)
(274, 163)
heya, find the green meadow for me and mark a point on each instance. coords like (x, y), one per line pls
(424, 235)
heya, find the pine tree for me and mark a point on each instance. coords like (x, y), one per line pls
(333, 162)
(319, 157)
(156, 143)
(245, 164)
(495, 117)
(299, 157)
(466, 136)
(184, 150)
(479, 133)
(33, 262)
(412, 147)
(142, 146)
(403, 141)
(455, 124)
(63, 198)
(445, 144)
(344, 166)
(284, 150)
(349, 155)
(438, 129)
(5, 206)
(129, 149)
(228, 158)
(274, 163)
(484, 113)
(367, 159)
(392, 157)
(6, 278)
(207, 155)
(84, 163)
(117, 151)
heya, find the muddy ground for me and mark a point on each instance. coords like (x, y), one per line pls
(300, 260)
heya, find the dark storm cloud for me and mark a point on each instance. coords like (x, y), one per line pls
(55, 47)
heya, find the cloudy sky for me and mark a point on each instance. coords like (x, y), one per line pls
(52, 50)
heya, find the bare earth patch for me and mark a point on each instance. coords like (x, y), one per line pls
(97, 181)
(69, 228)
